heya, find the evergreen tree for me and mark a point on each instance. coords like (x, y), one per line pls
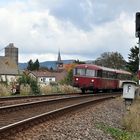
(30, 65)
(33, 65)
(79, 62)
(36, 65)
(133, 59)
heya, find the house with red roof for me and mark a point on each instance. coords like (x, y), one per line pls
(45, 77)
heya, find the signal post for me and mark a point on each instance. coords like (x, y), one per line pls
(138, 36)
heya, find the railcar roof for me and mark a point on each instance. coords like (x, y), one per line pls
(96, 67)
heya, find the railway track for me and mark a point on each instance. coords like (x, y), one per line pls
(17, 117)
(11, 100)
(4, 101)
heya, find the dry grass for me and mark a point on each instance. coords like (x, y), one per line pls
(48, 89)
(67, 89)
(25, 90)
(131, 120)
(5, 90)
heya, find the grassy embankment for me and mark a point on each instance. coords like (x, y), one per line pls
(130, 122)
(48, 89)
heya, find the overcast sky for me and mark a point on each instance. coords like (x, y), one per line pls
(80, 29)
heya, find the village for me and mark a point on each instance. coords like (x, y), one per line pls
(10, 72)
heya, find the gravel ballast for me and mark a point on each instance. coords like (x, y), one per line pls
(78, 125)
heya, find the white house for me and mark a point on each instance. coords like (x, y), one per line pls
(45, 77)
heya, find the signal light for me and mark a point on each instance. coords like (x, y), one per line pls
(138, 24)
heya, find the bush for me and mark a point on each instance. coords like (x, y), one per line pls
(27, 80)
(34, 86)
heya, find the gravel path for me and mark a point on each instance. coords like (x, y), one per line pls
(78, 125)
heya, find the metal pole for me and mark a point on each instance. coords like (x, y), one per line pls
(139, 62)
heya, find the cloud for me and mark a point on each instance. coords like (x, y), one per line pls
(81, 29)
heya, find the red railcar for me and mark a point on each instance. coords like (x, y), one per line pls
(95, 78)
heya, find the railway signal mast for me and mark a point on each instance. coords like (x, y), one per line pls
(138, 36)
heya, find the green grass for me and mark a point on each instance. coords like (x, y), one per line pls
(118, 134)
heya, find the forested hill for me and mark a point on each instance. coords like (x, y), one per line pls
(48, 64)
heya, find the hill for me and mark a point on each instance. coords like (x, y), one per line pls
(48, 64)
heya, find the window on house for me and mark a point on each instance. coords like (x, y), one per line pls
(50, 79)
(44, 79)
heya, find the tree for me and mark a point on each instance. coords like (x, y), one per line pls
(33, 65)
(111, 60)
(133, 60)
(36, 65)
(68, 79)
(79, 62)
(30, 65)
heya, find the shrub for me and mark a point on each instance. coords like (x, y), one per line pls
(27, 80)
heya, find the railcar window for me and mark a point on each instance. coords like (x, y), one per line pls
(74, 71)
(99, 73)
(112, 75)
(109, 74)
(90, 72)
(81, 72)
(124, 77)
(104, 74)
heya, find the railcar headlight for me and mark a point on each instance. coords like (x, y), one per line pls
(77, 79)
(92, 80)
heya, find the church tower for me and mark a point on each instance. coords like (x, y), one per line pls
(59, 62)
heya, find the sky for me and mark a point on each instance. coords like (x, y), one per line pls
(79, 29)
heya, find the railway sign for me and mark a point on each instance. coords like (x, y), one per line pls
(129, 89)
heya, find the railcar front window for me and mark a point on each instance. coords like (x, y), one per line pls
(81, 72)
(74, 71)
(90, 72)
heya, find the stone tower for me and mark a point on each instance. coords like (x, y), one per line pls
(12, 52)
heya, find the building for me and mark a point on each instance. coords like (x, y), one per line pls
(59, 62)
(45, 77)
(9, 71)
